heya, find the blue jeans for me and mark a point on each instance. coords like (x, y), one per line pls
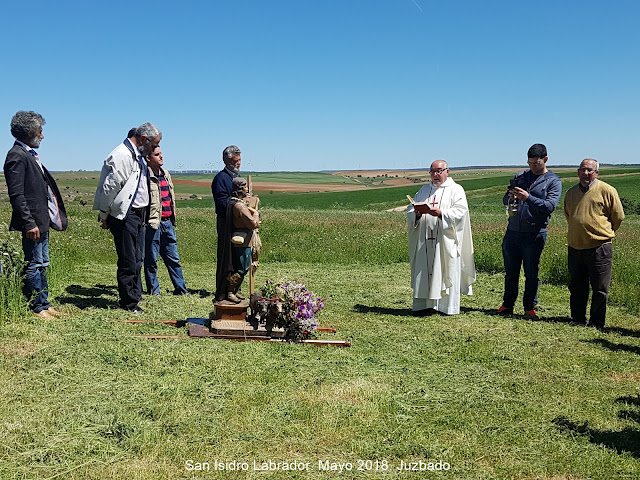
(162, 241)
(522, 249)
(36, 287)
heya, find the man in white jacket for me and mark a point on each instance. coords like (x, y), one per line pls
(440, 244)
(122, 197)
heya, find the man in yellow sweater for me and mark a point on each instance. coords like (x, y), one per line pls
(594, 213)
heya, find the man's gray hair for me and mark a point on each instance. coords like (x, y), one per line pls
(593, 160)
(26, 125)
(148, 130)
(229, 152)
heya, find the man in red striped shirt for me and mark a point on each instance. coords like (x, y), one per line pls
(160, 235)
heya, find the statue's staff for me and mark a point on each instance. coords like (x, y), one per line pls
(253, 208)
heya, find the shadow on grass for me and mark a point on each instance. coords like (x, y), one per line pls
(492, 312)
(626, 440)
(624, 332)
(629, 400)
(567, 320)
(633, 415)
(202, 293)
(623, 441)
(87, 297)
(615, 347)
(97, 290)
(401, 312)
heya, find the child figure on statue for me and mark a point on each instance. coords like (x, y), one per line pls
(245, 221)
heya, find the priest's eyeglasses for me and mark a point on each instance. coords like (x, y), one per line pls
(438, 170)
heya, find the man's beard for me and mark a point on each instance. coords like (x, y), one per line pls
(142, 149)
(35, 142)
(235, 170)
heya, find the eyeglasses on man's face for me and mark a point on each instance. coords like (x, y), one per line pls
(438, 170)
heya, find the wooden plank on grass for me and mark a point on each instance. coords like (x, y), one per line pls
(326, 329)
(143, 320)
(322, 343)
(160, 337)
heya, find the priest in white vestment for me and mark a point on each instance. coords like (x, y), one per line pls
(440, 244)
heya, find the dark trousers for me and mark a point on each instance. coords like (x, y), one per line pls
(522, 249)
(128, 237)
(221, 287)
(591, 266)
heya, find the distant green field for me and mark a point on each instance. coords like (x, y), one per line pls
(379, 198)
(628, 186)
(481, 192)
(77, 182)
(310, 178)
(484, 188)
(375, 199)
(199, 190)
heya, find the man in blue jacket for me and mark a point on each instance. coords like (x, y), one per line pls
(532, 197)
(221, 188)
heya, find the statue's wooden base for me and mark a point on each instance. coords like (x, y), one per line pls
(230, 319)
(226, 310)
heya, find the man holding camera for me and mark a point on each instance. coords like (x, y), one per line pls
(532, 197)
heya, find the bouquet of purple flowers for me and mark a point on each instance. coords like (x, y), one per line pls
(300, 307)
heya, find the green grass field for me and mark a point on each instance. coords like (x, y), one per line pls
(307, 178)
(490, 397)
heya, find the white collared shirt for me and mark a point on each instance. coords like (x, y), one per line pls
(142, 196)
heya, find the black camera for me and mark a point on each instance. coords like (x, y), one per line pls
(515, 182)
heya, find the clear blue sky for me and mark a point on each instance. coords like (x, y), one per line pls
(331, 84)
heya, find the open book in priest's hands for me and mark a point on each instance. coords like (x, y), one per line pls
(420, 207)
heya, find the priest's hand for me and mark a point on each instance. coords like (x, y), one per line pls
(436, 212)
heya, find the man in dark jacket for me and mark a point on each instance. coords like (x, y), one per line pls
(532, 196)
(37, 206)
(221, 188)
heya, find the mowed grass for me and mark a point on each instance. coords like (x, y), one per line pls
(493, 397)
